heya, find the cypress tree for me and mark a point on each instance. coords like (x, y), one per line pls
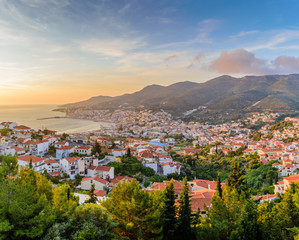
(219, 189)
(128, 152)
(184, 220)
(169, 212)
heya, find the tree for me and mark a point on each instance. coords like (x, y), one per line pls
(248, 227)
(92, 196)
(216, 144)
(137, 212)
(9, 166)
(25, 205)
(236, 179)
(96, 148)
(184, 213)
(88, 221)
(64, 202)
(128, 154)
(169, 212)
(219, 189)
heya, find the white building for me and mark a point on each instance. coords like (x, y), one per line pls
(84, 150)
(170, 167)
(52, 166)
(100, 184)
(104, 172)
(64, 152)
(70, 166)
(37, 162)
(37, 148)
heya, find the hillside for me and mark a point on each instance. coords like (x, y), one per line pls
(224, 93)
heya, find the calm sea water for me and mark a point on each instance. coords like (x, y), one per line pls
(32, 116)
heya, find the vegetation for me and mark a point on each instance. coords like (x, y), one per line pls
(31, 208)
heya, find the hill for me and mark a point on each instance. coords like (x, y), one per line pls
(224, 94)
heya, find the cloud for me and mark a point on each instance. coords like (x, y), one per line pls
(239, 61)
(170, 58)
(286, 64)
(244, 33)
(196, 60)
(242, 61)
(113, 48)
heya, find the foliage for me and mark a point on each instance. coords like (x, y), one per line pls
(184, 213)
(92, 196)
(169, 212)
(281, 125)
(137, 212)
(5, 131)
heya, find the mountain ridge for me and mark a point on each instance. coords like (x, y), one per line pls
(248, 93)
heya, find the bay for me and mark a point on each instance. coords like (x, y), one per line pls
(43, 117)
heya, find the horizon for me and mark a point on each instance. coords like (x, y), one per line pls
(59, 52)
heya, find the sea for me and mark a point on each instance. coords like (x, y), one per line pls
(43, 117)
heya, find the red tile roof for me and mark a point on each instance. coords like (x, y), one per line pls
(29, 157)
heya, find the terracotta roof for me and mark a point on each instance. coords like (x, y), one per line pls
(72, 159)
(55, 173)
(170, 163)
(95, 179)
(50, 161)
(121, 178)
(178, 186)
(18, 149)
(29, 157)
(65, 148)
(22, 127)
(100, 193)
(100, 168)
(83, 147)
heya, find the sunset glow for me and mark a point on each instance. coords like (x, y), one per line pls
(62, 51)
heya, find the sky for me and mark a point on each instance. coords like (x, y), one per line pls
(61, 51)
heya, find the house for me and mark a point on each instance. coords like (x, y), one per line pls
(70, 166)
(104, 172)
(64, 152)
(37, 148)
(201, 198)
(100, 184)
(199, 184)
(118, 179)
(52, 166)
(85, 163)
(84, 150)
(22, 128)
(9, 125)
(19, 151)
(178, 186)
(118, 152)
(283, 185)
(37, 162)
(170, 167)
(104, 141)
(266, 198)
(60, 144)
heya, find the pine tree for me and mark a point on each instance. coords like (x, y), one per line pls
(169, 212)
(184, 220)
(137, 212)
(219, 189)
(92, 196)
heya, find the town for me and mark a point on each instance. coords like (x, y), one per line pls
(154, 148)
